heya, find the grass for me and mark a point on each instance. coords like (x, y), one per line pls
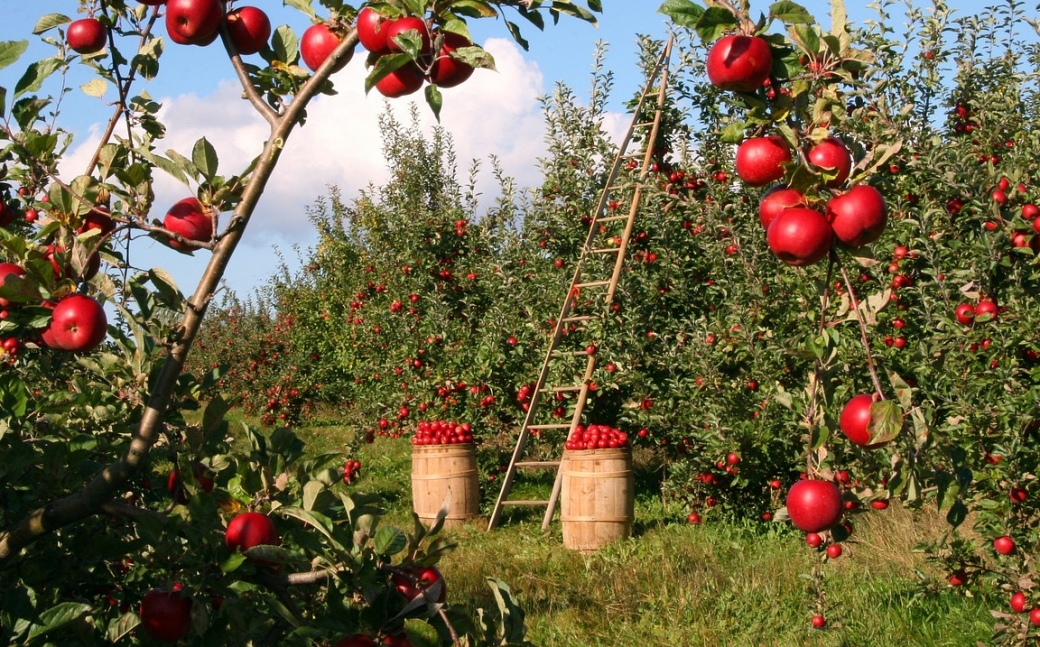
(676, 584)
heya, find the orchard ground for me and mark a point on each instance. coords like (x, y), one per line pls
(715, 583)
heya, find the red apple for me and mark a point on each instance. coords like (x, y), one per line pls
(834, 551)
(249, 29)
(78, 324)
(448, 72)
(318, 43)
(97, 218)
(776, 200)
(7, 269)
(371, 29)
(739, 63)
(965, 313)
(986, 310)
(1034, 617)
(761, 160)
(424, 579)
(1019, 601)
(1004, 545)
(193, 22)
(407, 23)
(403, 81)
(250, 529)
(814, 505)
(859, 216)
(190, 219)
(86, 35)
(832, 156)
(855, 419)
(800, 236)
(165, 615)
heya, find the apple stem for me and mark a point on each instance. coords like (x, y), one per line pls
(862, 330)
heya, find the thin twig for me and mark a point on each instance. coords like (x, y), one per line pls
(862, 331)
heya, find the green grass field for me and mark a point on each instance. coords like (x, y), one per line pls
(675, 584)
(679, 585)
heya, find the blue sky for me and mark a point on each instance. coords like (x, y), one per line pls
(493, 113)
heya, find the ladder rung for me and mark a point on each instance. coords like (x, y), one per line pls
(578, 318)
(643, 124)
(611, 219)
(632, 155)
(538, 464)
(592, 284)
(559, 426)
(605, 250)
(569, 353)
(562, 389)
(521, 502)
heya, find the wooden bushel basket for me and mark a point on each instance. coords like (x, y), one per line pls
(438, 470)
(598, 497)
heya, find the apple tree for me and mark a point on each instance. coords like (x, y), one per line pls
(123, 518)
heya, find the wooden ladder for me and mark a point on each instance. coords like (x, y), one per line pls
(647, 131)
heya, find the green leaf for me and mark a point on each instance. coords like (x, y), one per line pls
(306, 6)
(957, 514)
(285, 45)
(121, 627)
(390, 541)
(805, 37)
(204, 157)
(434, 100)
(11, 51)
(316, 520)
(311, 491)
(682, 13)
(95, 88)
(36, 74)
(734, 133)
(510, 611)
(715, 22)
(167, 287)
(886, 421)
(58, 617)
(50, 21)
(421, 633)
(213, 417)
(514, 31)
(790, 13)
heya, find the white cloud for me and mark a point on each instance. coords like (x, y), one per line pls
(493, 113)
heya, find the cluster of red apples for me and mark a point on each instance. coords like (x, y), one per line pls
(596, 437)
(441, 432)
(799, 231)
(197, 22)
(78, 321)
(379, 35)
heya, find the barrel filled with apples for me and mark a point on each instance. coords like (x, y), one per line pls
(597, 490)
(444, 463)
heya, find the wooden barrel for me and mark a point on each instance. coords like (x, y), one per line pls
(598, 497)
(439, 469)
